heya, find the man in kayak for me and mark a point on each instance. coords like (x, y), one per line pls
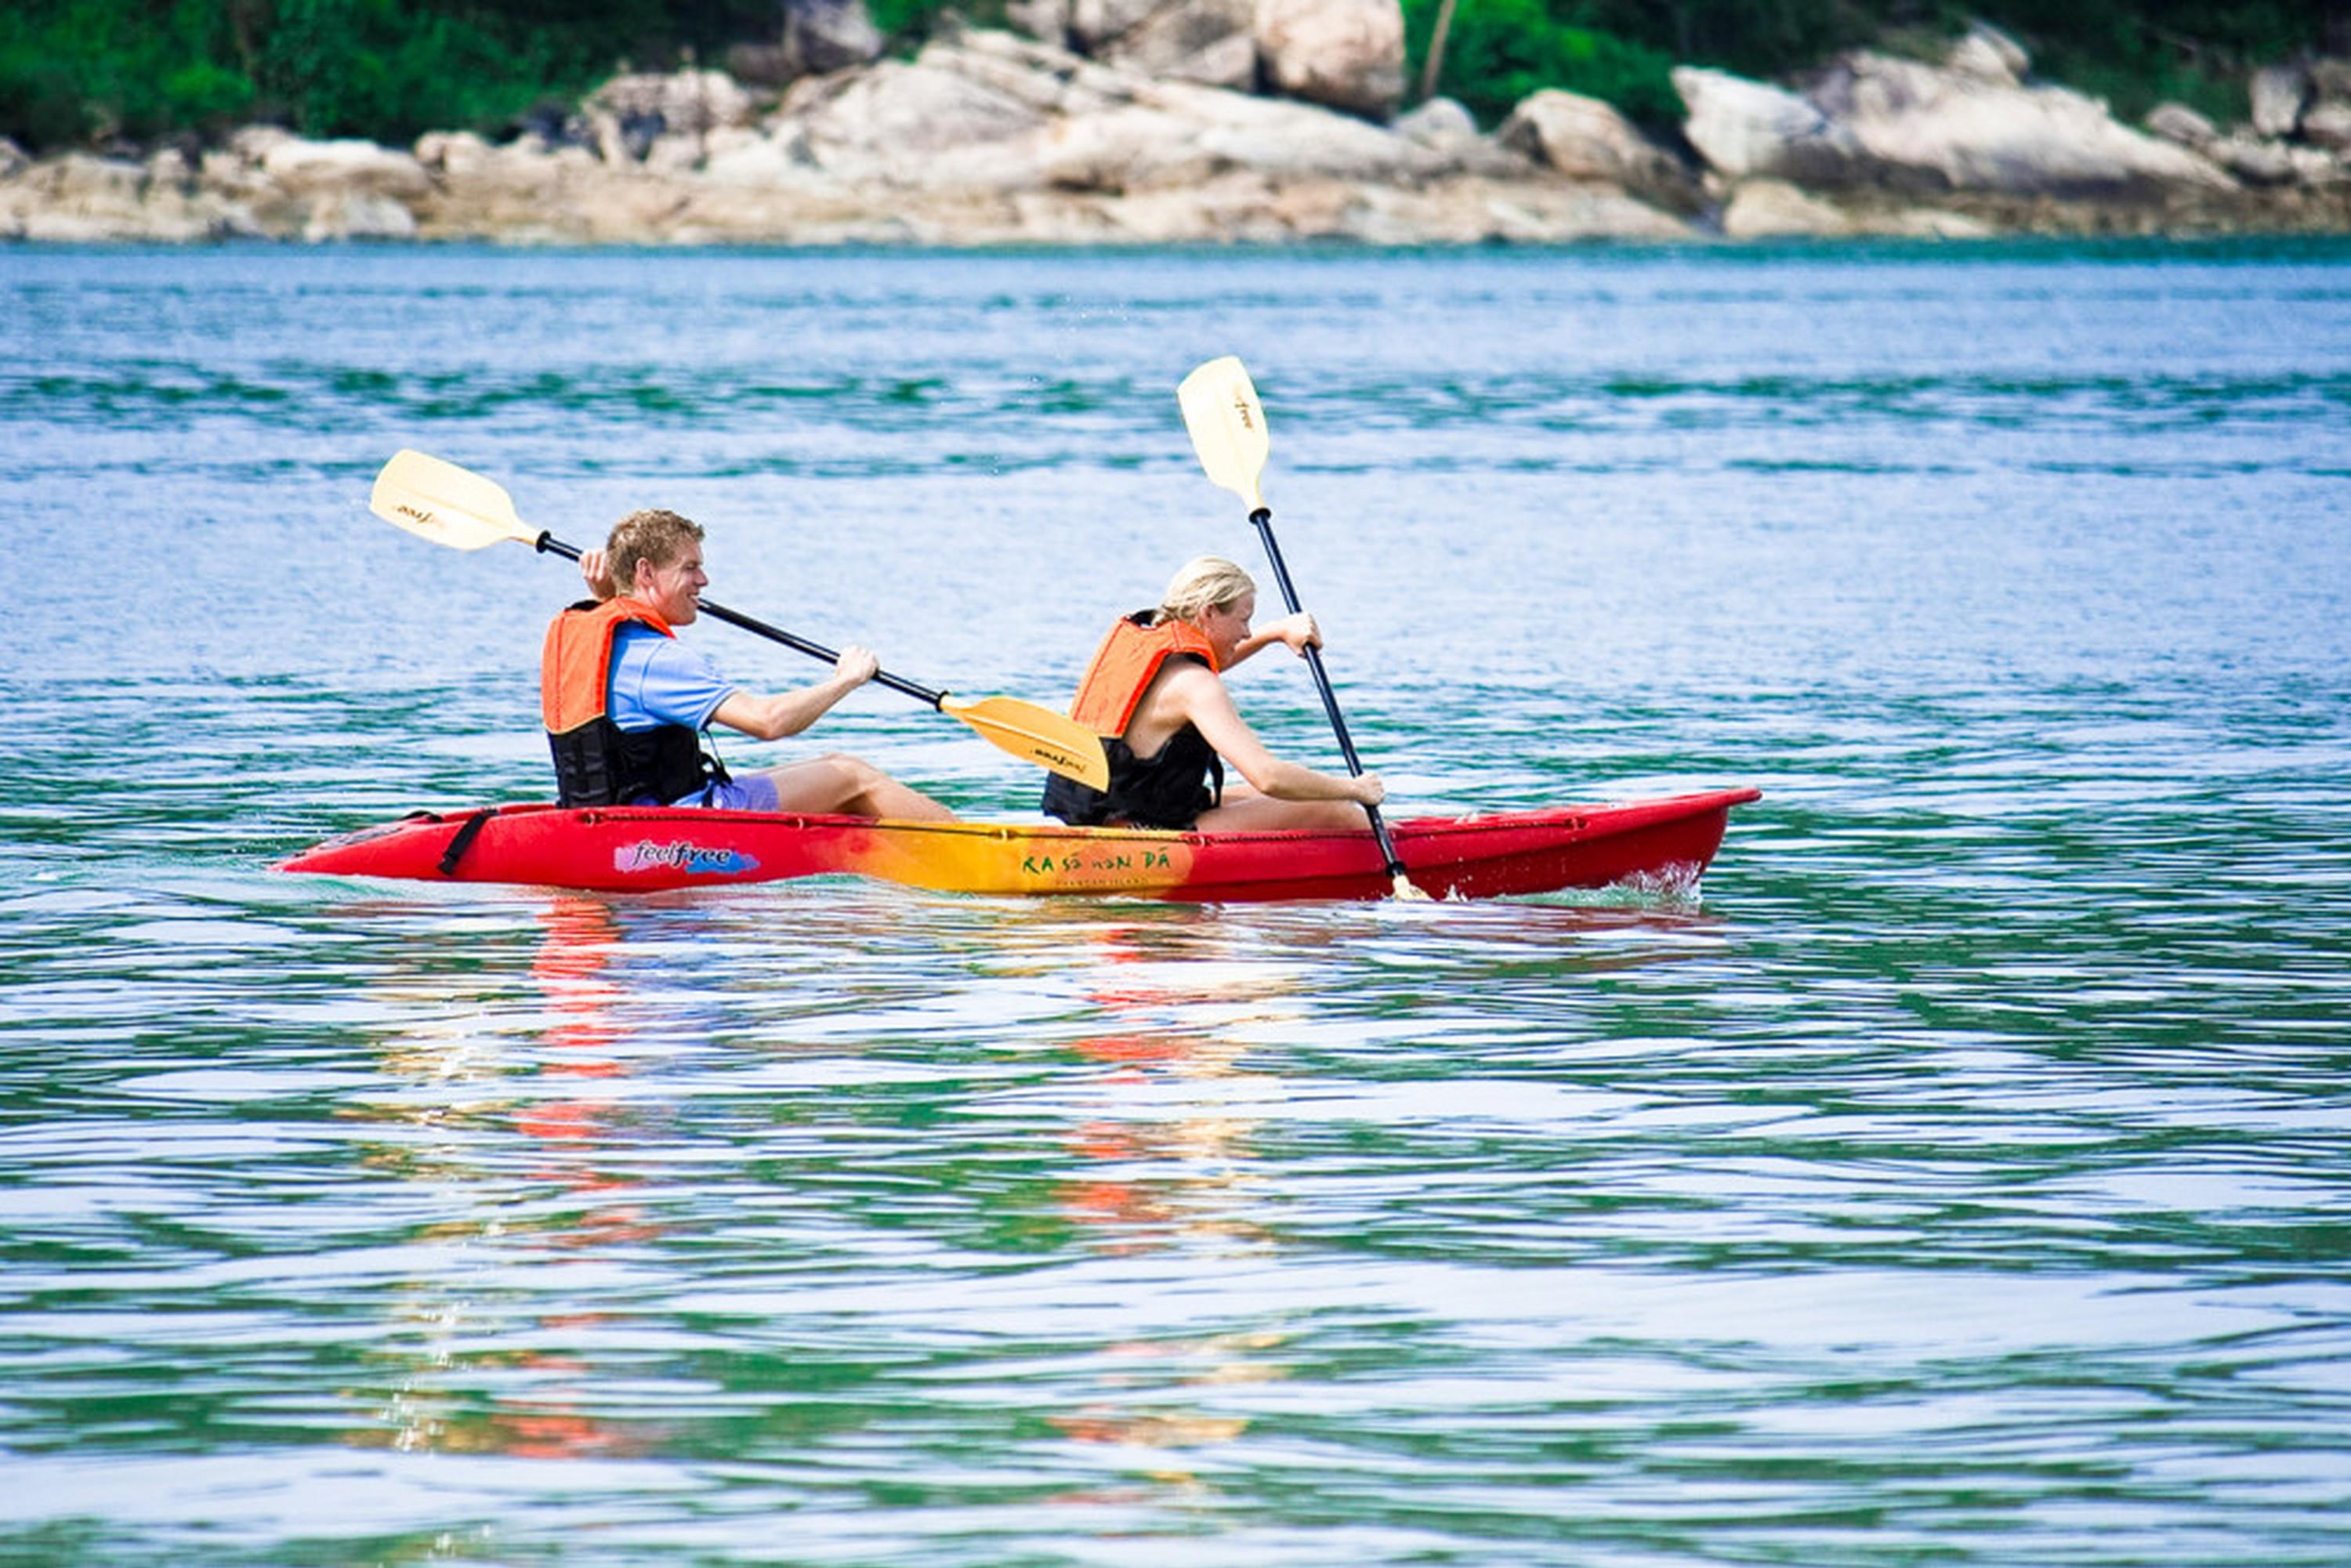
(625, 703)
(1155, 692)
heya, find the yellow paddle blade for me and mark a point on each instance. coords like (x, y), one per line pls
(1036, 734)
(1227, 426)
(446, 504)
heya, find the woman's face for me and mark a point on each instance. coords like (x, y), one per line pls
(1225, 626)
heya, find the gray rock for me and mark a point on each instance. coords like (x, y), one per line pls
(2327, 124)
(1094, 24)
(1045, 20)
(1208, 41)
(1347, 55)
(822, 36)
(2178, 123)
(2316, 167)
(1774, 209)
(2279, 93)
(1443, 124)
(451, 152)
(333, 168)
(762, 65)
(2255, 161)
(1924, 128)
(903, 122)
(1745, 128)
(1990, 55)
(2330, 78)
(1585, 139)
(689, 102)
(358, 215)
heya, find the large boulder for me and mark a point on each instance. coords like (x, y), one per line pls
(355, 215)
(1746, 130)
(1908, 126)
(1989, 55)
(1585, 139)
(1774, 209)
(2278, 94)
(76, 198)
(1209, 41)
(81, 198)
(2257, 162)
(332, 169)
(1046, 21)
(1442, 123)
(685, 103)
(2327, 124)
(1943, 130)
(1345, 54)
(2178, 123)
(822, 36)
(902, 121)
(989, 111)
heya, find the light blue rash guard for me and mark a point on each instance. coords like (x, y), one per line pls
(658, 680)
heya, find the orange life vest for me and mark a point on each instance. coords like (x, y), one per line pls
(1169, 789)
(575, 666)
(598, 763)
(1124, 666)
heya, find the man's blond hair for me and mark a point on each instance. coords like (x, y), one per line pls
(653, 536)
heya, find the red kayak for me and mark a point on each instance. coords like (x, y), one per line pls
(1663, 842)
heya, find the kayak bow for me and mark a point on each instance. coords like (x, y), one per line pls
(645, 849)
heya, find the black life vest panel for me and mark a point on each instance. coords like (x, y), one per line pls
(598, 763)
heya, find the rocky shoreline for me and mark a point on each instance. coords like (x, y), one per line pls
(989, 137)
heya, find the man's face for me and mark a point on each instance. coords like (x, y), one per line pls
(671, 589)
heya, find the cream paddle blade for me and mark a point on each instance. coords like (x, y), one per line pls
(1227, 425)
(446, 504)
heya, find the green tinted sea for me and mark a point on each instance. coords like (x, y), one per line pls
(1961, 1176)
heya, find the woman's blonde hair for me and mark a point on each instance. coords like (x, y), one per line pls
(1203, 582)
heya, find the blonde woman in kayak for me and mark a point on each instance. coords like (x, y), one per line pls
(625, 704)
(1155, 692)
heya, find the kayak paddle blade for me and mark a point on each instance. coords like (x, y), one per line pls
(1227, 425)
(1037, 735)
(446, 504)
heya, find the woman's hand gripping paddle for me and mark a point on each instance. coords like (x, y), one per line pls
(460, 508)
(1227, 425)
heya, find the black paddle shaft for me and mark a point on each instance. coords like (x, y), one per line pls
(1263, 518)
(549, 545)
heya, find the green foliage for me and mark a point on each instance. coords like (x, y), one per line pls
(1497, 51)
(72, 70)
(41, 102)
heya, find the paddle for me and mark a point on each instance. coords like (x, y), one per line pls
(460, 508)
(1227, 425)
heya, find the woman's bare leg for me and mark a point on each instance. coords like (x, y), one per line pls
(1251, 812)
(839, 782)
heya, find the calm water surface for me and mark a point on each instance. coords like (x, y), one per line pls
(1962, 1176)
